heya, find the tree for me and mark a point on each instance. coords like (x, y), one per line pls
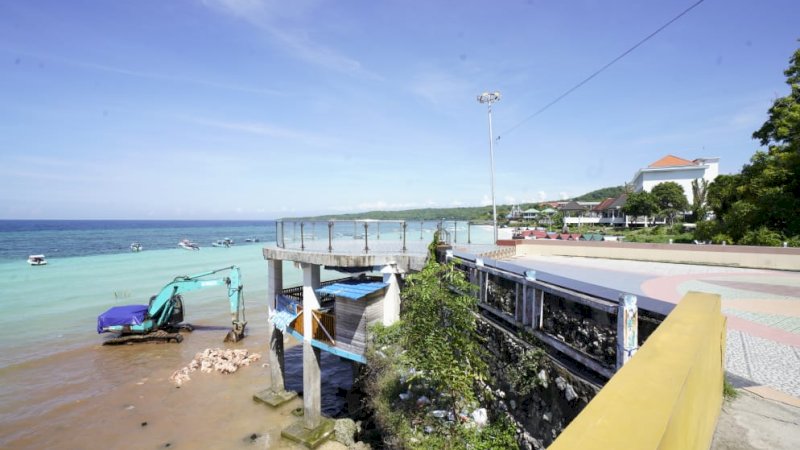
(670, 198)
(699, 199)
(640, 204)
(765, 196)
(439, 333)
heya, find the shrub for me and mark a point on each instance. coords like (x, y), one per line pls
(706, 230)
(762, 236)
(719, 238)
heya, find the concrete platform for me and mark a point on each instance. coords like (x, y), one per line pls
(274, 398)
(297, 432)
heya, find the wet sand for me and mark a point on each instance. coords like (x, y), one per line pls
(121, 397)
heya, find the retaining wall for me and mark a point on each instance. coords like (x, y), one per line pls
(669, 395)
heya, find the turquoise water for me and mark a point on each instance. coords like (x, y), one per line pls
(60, 387)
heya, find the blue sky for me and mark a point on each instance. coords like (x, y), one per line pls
(249, 109)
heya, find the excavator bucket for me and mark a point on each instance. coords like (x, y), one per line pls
(237, 333)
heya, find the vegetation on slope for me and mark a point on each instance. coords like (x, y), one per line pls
(425, 372)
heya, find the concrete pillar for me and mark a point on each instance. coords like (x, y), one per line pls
(312, 389)
(275, 336)
(391, 300)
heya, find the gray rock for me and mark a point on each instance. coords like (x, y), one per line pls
(569, 393)
(543, 378)
(344, 431)
(561, 383)
(547, 416)
(359, 446)
(512, 404)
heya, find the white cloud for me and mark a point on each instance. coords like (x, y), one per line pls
(542, 196)
(486, 200)
(563, 195)
(267, 129)
(509, 199)
(282, 21)
(440, 88)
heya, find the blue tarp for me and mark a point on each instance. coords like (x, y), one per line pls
(352, 290)
(122, 315)
(282, 319)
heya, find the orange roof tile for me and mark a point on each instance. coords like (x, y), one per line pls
(672, 161)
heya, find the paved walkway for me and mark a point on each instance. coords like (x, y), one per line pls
(762, 306)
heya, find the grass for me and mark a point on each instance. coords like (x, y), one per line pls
(729, 392)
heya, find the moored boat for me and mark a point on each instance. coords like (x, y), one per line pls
(37, 260)
(252, 239)
(227, 242)
(188, 245)
(136, 247)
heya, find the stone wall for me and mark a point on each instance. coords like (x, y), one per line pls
(541, 396)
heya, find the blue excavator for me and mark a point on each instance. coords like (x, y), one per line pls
(162, 319)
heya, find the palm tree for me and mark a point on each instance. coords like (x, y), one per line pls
(699, 194)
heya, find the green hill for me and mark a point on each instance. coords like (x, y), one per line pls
(460, 213)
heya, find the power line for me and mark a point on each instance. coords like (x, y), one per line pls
(600, 70)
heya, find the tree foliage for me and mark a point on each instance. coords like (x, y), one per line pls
(670, 198)
(439, 330)
(640, 204)
(699, 199)
(765, 196)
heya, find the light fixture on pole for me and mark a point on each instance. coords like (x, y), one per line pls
(489, 98)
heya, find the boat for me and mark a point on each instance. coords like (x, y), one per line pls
(188, 245)
(252, 239)
(227, 242)
(37, 260)
(136, 247)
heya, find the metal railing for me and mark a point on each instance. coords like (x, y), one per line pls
(368, 236)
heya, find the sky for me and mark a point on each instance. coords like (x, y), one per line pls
(251, 109)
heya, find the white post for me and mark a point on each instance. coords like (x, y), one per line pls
(391, 300)
(627, 328)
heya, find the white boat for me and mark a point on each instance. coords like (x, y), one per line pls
(188, 245)
(136, 247)
(252, 239)
(227, 242)
(37, 260)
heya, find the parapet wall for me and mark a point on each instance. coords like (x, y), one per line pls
(717, 255)
(669, 395)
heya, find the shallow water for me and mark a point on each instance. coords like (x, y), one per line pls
(60, 388)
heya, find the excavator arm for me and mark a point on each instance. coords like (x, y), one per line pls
(167, 304)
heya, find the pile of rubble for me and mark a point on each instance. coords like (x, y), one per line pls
(211, 359)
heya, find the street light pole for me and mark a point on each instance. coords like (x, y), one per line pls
(489, 98)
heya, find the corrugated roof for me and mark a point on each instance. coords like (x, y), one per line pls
(352, 291)
(671, 161)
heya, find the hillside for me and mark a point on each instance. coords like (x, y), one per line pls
(461, 213)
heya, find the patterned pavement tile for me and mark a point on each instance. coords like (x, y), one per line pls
(763, 361)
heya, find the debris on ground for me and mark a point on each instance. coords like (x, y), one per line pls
(215, 359)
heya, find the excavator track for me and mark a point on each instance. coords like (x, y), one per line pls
(159, 336)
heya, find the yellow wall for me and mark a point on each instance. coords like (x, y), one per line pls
(669, 394)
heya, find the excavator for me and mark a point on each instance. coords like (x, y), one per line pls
(161, 320)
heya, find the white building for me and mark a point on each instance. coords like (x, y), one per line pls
(678, 170)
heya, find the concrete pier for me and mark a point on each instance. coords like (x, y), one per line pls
(276, 394)
(312, 394)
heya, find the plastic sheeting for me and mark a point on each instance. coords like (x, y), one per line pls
(122, 315)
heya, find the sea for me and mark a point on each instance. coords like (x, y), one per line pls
(60, 388)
